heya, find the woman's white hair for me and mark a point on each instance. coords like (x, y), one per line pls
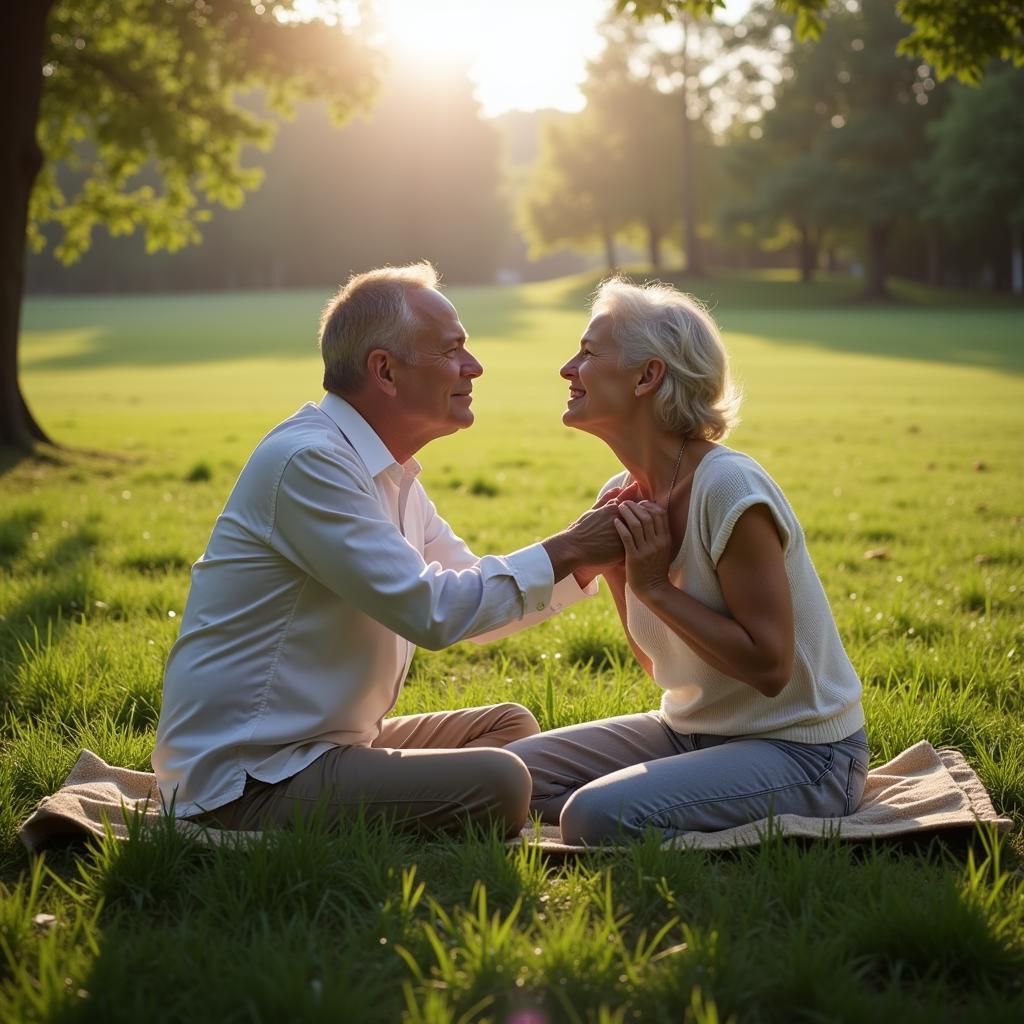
(697, 396)
(370, 311)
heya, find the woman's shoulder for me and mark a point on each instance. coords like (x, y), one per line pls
(725, 467)
(730, 482)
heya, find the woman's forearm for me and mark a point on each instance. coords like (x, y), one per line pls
(720, 640)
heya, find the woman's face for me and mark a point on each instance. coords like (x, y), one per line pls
(602, 394)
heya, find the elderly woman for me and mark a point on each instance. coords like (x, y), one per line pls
(761, 710)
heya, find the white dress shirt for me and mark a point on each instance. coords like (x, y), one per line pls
(327, 567)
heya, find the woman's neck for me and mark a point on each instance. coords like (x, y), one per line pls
(653, 459)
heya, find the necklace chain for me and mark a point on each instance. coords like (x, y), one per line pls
(675, 474)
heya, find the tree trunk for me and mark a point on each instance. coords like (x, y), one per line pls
(878, 245)
(934, 260)
(609, 248)
(654, 244)
(21, 83)
(1017, 259)
(808, 254)
(691, 243)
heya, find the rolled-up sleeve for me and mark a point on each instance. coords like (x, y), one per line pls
(328, 520)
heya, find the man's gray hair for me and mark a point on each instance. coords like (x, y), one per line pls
(697, 396)
(370, 311)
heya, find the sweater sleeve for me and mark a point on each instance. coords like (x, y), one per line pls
(737, 484)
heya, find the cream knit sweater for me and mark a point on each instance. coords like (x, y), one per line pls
(821, 701)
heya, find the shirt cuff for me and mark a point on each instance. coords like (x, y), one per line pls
(568, 591)
(531, 569)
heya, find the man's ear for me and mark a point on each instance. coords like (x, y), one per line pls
(650, 378)
(380, 366)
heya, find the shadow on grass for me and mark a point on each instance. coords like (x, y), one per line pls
(966, 328)
(918, 323)
(166, 330)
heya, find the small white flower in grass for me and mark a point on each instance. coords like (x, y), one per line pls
(126, 495)
(145, 534)
(899, 579)
(853, 597)
(172, 614)
(44, 922)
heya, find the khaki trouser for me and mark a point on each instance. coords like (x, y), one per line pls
(430, 771)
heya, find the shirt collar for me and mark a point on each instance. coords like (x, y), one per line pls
(364, 439)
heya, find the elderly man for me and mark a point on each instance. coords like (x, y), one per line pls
(327, 567)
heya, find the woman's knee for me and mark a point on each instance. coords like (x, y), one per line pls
(590, 818)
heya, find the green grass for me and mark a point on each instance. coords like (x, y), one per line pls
(895, 430)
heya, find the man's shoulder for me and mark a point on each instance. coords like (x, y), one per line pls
(308, 432)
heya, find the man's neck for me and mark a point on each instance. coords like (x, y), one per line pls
(393, 433)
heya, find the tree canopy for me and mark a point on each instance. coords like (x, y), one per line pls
(142, 98)
(134, 86)
(958, 37)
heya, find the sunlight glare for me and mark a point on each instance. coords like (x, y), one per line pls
(526, 55)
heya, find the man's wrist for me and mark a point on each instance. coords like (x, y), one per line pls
(563, 553)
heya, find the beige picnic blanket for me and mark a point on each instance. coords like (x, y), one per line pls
(920, 790)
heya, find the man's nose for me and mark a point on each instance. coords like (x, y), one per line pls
(471, 368)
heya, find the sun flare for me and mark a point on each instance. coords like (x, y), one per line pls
(526, 55)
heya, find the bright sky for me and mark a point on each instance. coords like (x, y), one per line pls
(522, 54)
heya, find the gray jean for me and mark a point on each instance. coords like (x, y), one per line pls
(616, 778)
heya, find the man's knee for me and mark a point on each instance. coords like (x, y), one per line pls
(509, 786)
(516, 722)
(590, 818)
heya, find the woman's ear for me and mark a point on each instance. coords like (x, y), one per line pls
(650, 378)
(380, 370)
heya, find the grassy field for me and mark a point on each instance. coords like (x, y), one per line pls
(898, 434)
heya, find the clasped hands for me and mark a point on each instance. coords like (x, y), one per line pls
(645, 539)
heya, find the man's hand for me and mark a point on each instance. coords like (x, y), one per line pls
(647, 543)
(592, 541)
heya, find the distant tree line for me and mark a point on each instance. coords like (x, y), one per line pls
(419, 179)
(834, 150)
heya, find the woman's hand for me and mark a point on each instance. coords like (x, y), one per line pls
(647, 542)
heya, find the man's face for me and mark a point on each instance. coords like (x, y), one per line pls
(434, 388)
